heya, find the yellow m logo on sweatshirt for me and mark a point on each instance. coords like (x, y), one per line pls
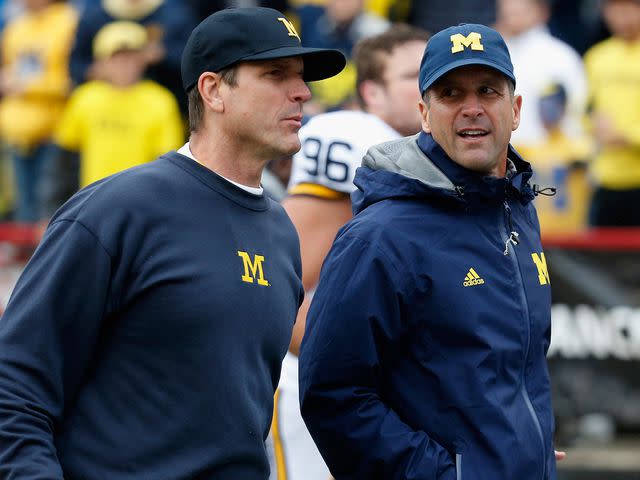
(253, 268)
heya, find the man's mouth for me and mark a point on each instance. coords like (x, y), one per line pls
(295, 118)
(473, 133)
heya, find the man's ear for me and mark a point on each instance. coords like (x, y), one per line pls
(372, 94)
(517, 107)
(209, 86)
(424, 116)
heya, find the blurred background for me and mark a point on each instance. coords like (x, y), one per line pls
(88, 88)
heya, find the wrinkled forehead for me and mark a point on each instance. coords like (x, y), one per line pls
(472, 74)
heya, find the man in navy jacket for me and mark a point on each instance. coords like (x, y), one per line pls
(424, 355)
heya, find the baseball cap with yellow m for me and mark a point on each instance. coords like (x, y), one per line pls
(464, 44)
(235, 35)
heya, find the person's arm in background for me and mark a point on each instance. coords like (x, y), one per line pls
(317, 221)
(608, 135)
(177, 21)
(574, 77)
(607, 129)
(81, 59)
(360, 305)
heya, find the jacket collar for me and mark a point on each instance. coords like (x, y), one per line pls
(471, 184)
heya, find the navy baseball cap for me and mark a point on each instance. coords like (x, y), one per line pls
(235, 35)
(464, 44)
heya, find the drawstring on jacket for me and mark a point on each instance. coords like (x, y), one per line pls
(546, 191)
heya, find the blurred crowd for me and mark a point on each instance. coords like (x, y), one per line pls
(88, 88)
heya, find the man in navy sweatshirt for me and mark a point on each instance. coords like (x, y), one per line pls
(145, 336)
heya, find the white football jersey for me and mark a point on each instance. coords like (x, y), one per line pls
(292, 453)
(333, 145)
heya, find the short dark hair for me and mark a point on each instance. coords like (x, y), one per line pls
(370, 53)
(195, 103)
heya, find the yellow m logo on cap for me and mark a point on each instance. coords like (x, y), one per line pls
(541, 265)
(253, 268)
(460, 42)
(290, 28)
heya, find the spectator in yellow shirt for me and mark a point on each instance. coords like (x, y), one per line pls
(613, 71)
(34, 85)
(123, 120)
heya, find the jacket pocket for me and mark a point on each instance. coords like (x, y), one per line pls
(458, 466)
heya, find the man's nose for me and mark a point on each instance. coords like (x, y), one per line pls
(300, 91)
(472, 106)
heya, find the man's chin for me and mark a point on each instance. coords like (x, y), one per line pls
(290, 147)
(476, 163)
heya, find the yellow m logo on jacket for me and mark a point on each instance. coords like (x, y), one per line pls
(541, 265)
(460, 42)
(253, 268)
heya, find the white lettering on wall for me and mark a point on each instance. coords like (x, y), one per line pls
(584, 331)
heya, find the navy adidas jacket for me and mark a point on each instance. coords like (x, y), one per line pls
(424, 355)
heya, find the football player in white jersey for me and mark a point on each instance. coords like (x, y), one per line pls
(321, 181)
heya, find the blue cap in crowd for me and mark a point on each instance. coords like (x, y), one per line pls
(239, 34)
(464, 44)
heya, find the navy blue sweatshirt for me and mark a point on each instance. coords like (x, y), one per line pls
(145, 336)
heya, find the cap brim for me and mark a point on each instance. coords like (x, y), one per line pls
(319, 63)
(462, 63)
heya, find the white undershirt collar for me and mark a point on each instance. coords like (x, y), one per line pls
(186, 151)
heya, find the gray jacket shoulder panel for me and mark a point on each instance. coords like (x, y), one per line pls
(404, 157)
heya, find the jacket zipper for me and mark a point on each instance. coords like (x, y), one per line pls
(513, 239)
(513, 235)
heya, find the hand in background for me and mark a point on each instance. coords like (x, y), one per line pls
(605, 131)
(9, 84)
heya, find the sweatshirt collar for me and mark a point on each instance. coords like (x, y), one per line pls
(218, 183)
